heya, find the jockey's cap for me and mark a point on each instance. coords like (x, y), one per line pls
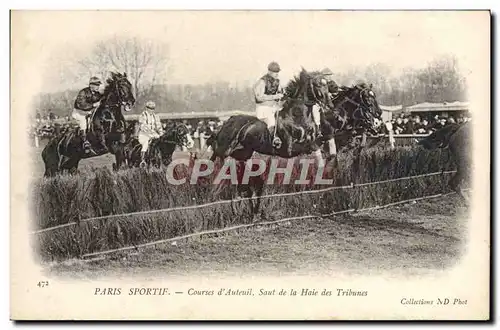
(327, 72)
(274, 67)
(150, 105)
(94, 81)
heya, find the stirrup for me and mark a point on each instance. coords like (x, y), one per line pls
(276, 142)
(143, 164)
(90, 151)
(87, 147)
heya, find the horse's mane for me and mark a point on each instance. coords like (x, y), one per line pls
(296, 83)
(111, 81)
(295, 88)
(344, 90)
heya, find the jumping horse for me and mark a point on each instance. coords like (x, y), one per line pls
(160, 149)
(243, 135)
(353, 113)
(106, 130)
(458, 139)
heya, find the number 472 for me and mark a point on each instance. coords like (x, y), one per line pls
(43, 284)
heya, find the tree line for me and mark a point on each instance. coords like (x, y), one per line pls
(147, 66)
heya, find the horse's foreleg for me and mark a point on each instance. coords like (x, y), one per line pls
(119, 157)
(455, 184)
(258, 191)
(332, 151)
(319, 158)
(62, 162)
(363, 140)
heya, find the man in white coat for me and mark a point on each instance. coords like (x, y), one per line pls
(149, 127)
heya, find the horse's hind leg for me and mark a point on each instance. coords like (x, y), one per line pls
(51, 167)
(258, 188)
(50, 170)
(332, 151)
(119, 159)
(455, 184)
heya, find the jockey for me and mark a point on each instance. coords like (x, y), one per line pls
(149, 127)
(333, 88)
(268, 92)
(87, 100)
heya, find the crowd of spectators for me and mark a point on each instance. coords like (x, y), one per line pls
(201, 130)
(408, 124)
(50, 125)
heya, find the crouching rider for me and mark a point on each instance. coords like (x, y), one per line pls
(268, 92)
(150, 127)
(87, 101)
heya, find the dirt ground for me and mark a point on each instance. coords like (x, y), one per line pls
(410, 239)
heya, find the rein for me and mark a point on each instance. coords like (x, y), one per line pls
(107, 105)
(359, 106)
(178, 142)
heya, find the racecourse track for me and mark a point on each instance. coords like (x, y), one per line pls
(412, 239)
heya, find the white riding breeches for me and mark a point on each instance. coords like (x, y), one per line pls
(81, 118)
(267, 114)
(316, 114)
(144, 140)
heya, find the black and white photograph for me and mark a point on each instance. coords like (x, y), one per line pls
(307, 165)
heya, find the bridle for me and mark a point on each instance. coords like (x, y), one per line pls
(176, 139)
(119, 104)
(106, 104)
(362, 109)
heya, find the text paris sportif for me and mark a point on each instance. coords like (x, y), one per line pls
(268, 292)
(296, 153)
(229, 292)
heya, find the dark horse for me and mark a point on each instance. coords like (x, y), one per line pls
(458, 139)
(106, 130)
(242, 135)
(160, 149)
(353, 113)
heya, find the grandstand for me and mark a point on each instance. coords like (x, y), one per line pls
(445, 109)
(189, 116)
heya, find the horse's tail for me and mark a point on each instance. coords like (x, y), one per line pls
(50, 156)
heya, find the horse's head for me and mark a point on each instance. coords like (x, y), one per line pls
(433, 141)
(314, 88)
(359, 103)
(118, 92)
(368, 100)
(439, 138)
(179, 135)
(309, 88)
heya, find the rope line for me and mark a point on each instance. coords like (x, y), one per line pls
(208, 232)
(190, 207)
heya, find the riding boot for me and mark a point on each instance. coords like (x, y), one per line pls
(143, 161)
(276, 141)
(86, 144)
(319, 134)
(103, 147)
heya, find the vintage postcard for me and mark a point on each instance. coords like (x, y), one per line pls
(250, 165)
